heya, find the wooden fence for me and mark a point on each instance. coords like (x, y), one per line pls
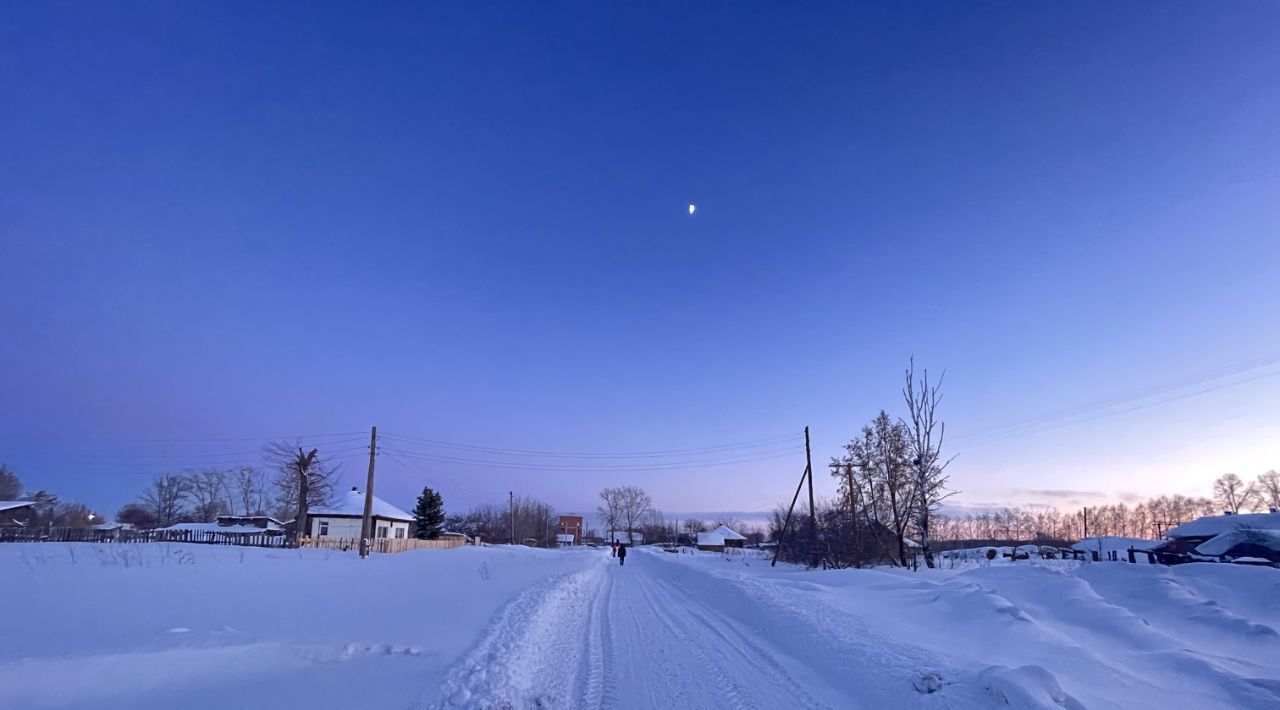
(210, 537)
(383, 544)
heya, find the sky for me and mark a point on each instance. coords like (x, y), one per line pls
(467, 224)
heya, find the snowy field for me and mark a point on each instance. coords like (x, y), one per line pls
(202, 627)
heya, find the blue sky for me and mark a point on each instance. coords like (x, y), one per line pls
(466, 222)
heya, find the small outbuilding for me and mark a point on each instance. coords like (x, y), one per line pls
(720, 538)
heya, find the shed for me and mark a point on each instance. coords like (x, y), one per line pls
(720, 538)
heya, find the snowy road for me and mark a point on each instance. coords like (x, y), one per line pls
(661, 634)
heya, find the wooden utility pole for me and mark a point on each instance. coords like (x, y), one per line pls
(366, 526)
(511, 506)
(786, 525)
(813, 515)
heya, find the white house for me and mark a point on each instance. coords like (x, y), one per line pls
(346, 516)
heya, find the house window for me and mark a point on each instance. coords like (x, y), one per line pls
(324, 528)
(399, 533)
(382, 532)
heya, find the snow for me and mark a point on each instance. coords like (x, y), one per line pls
(216, 528)
(1222, 544)
(204, 627)
(716, 538)
(1211, 525)
(351, 504)
(12, 504)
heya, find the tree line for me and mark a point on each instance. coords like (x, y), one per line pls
(296, 481)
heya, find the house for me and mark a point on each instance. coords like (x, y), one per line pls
(720, 538)
(1257, 546)
(570, 525)
(16, 513)
(345, 518)
(565, 540)
(633, 538)
(264, 524)
(1182, 541)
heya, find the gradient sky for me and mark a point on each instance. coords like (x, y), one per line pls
(467, 222)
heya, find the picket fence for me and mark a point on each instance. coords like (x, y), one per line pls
(209, 537)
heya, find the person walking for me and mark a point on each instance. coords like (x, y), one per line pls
(622, 554)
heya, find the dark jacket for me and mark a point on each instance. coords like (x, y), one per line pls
(622, 550)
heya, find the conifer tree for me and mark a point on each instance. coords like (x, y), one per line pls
(428, 515)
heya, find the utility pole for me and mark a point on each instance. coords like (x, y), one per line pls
(366, 526)
(511, 505)
(813, 515)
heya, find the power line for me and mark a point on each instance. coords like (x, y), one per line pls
(660, 453)
(1098, 410)
(663, 466)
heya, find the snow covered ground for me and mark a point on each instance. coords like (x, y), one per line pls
(161, 626)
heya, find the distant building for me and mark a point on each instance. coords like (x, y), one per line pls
(345, 518)
(15, 513)
(635, 537)
(1187, 542)
(565, 540)
(720, 538)
(570, 525)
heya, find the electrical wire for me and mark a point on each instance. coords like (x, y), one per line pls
(660, 453)
(663, 466)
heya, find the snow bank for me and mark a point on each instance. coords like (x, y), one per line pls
(202, 626)
(1040, 634)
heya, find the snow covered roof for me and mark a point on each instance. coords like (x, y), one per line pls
(216, 528)
(1222, 544)
(113, 526)
(1211, 525)
(351, 505)
(564, 537)
(717, 537)
(15, 504)
(633, 538)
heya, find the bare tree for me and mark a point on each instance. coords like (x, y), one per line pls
(1232, 493)
(610, 510)
(302, 479)
(1267, 490)
(635, 505)
(210, 494)
(166, 498)
(250, 490)
(926, 433)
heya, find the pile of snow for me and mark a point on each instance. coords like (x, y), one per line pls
(1212, 525)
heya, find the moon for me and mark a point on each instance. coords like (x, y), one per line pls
(693, 208)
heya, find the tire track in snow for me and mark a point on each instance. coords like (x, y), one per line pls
(519, 662)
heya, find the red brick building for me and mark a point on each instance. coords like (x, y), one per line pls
(571, 525)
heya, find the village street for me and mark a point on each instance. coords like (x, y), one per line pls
(666, 631)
